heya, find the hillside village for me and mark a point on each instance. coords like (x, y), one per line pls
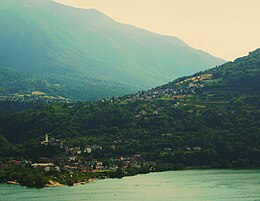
(173, 91)
(80, 159)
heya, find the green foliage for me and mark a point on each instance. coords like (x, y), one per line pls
(217, 125)
(24, 175)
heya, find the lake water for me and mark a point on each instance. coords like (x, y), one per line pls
(189, 185)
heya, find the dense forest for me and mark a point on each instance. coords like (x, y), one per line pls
(211, 118)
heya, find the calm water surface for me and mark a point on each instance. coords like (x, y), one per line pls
(190, 185)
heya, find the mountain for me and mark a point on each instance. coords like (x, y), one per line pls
(84, 54)
(211, 118)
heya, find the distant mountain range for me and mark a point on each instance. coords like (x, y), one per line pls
(83, 54)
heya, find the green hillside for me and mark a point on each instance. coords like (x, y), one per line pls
(211, 118)
(87, 54)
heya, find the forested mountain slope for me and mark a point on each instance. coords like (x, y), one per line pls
(83, 54)
(217, 110)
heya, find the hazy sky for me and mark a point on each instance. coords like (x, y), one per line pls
(224, 28)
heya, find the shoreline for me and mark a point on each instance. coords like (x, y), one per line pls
(52, 183)
(13, 182)
(57, 184)
(83, 182)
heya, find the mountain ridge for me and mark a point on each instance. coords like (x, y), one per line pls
(69, 42)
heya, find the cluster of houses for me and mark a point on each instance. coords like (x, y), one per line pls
(74, 159)
(74, 151)
(74, 162)
(47, 167)
(80, 165)
(174, 91)
(81, 160)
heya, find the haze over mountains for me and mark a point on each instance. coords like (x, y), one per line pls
(83, 54)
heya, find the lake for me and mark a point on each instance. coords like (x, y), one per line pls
(188, 185)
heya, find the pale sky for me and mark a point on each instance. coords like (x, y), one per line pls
(224, 28)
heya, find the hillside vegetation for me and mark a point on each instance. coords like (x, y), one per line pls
(210, 118)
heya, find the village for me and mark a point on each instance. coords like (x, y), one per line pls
(173, 91)
(78, 160)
